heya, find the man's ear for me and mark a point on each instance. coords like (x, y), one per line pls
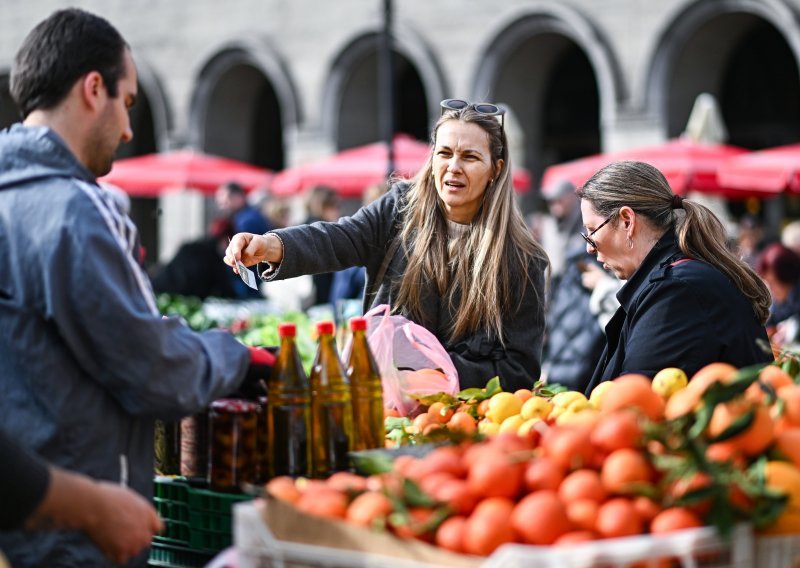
(92, 89)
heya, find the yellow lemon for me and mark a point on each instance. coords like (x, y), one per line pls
(502, 405)
(526, 427)
(566, 398)
(599, 393)
(669, 381)
(576, 405)
(488, 428)
(536, 407)
(511, 424)
(586, 416)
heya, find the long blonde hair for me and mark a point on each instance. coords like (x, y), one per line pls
(701, 234)
(485, 280)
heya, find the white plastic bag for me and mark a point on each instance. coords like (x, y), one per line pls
(401, 348)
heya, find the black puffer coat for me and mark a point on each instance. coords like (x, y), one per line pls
(575, 339)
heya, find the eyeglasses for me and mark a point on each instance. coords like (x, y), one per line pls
(588, 238)
(487, 109)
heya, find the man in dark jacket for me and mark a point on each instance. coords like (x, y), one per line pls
(197, 268)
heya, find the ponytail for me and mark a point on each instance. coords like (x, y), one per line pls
(702, 236)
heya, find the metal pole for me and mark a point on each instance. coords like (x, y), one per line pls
(386, 89)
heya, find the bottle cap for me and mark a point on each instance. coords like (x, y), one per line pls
(325, 327)
(287, 330)
(358, 324)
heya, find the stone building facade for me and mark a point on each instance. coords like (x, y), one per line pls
(283, 82)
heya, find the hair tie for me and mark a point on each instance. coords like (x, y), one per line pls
(677, 202)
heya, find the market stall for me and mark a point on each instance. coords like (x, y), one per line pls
(677, 471)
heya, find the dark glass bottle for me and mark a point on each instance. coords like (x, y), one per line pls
(366, 390)
(289, 410)
(262, 441)
(331, 410)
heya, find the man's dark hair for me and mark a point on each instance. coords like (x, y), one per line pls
(235, 188)
(58, 52)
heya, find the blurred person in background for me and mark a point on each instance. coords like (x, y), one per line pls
(231, 200)
(790, 236)
(197, 270)
(574, 338)
(450, 250)
(322, 204)
(87, 363)
(277, 212)
(559, 231)
(750, 239)
(687, 300)
(779, 267)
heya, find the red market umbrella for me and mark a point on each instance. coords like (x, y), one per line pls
(351, 171)
(769, 171)
(151, 174)
(686, 164)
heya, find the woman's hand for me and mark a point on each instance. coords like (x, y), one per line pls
(251, 249)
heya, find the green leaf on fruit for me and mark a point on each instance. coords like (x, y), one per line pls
(371, 463)
(476, 395)
(414, 496)
(738, 426)
(429, 399)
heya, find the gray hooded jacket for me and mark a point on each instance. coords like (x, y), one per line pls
(86, 362)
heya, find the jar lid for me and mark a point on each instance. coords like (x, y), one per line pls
(234, 405)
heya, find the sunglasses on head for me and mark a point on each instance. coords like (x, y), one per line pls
(487, 109)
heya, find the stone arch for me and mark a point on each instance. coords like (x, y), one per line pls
(244, 87)
(151, 118)
(559, 77)
(744, 52)
(9, 113)
(352, 95)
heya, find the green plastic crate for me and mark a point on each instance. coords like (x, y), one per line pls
(194, 517)
(172, 556)
(206, 522)
(168, 509)
(175, 532)
(213, 501)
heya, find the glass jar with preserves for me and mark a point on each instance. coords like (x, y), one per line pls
(232, 451)
(168, 447)
(194, 445)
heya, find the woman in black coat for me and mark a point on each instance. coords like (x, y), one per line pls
(688, 300)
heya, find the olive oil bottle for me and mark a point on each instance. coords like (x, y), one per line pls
(289, 410)
(366, 390)
(331, 410)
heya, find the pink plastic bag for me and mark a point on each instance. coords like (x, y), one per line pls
(400, 347)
